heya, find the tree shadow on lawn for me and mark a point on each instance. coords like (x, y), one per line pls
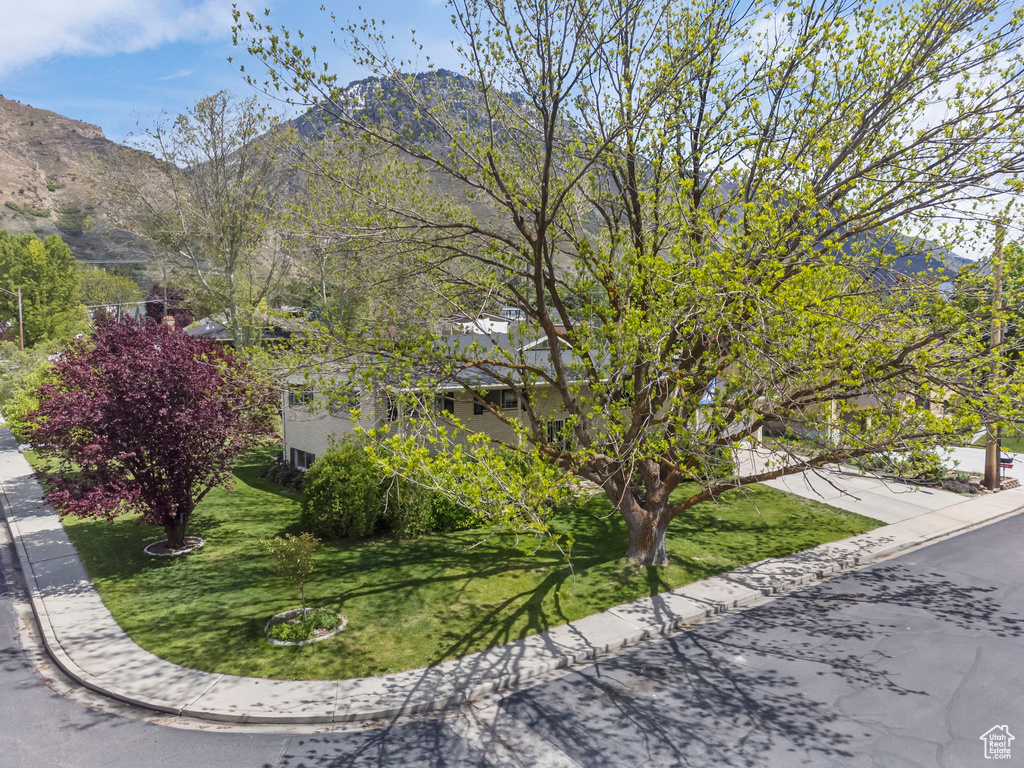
(715, 529)
(119, 552)
(475, 622)
(433, 598)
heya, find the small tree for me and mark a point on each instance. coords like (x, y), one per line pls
(142, 418)
(162, 300)
(99, 287)
(292, 559)
(22, 373)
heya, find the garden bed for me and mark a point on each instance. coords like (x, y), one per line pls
(411, 603)
(303, 626)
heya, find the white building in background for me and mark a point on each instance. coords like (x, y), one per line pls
(486, 322)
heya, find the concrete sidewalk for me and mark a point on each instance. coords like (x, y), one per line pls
(88, 645)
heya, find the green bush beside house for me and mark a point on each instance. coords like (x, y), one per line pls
(345, 495)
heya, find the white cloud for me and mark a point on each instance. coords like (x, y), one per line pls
(31, 31)
(176, 75)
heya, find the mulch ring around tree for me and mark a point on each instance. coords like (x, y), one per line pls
(160, 548)
(296, 618)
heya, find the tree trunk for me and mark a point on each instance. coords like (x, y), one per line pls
(647, 542)
(646, 524)
(175, 530)
(235, 321)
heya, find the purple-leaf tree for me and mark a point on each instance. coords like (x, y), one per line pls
(143, 418)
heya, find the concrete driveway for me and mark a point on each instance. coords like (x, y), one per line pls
(890, 501)
(973, 460)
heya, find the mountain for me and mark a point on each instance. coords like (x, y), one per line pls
(383, 100)
(917, 255)
(47, 164)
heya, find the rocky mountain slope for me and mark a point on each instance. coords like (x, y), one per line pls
(379, 100)
(48, 164)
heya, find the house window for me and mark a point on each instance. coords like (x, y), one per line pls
(558, 436)
(478, 409)
(302, 459)
(300, 398)
(508, 399)
(444, 403)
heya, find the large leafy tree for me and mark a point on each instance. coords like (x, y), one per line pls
(48, 277)
(696, 207)
(209, 203)
(143, 418)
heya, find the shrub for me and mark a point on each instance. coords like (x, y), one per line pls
(292, 479)
(305, 627)
(273, 471)
(923, 465)
(449, 516)
(407, 509)
(27, 210)
(15, 411)
(284, 474)
(917, 464)
(21, 374)
(412, 510)
(346, 495)
(342, 493)
(72, 220)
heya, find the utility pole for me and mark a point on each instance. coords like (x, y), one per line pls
(992, 445)
(21, 324)
(21, 318)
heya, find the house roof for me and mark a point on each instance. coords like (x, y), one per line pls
(209, 329)
(503, 348)
(469, 317)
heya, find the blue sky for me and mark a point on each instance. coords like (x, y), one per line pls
(114, 63)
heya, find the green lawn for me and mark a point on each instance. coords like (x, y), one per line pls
(409, 603)
(1009, 442)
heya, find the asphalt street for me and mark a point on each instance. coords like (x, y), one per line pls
(905, 663)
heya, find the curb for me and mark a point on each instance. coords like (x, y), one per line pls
(227, 698)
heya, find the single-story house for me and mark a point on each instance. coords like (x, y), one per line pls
(478, 398)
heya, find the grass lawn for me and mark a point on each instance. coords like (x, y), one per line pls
(409, 603)
(1011, 443)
